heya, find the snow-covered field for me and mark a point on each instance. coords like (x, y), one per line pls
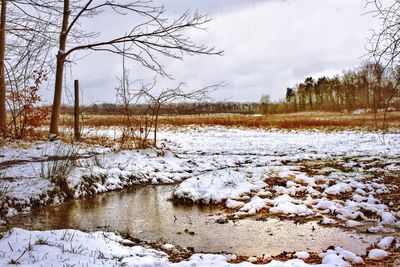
(94, 170)
(75, 248)
(338, 177)
(347, 179)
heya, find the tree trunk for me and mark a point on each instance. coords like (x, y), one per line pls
(156, 126)
(3, 110)
(77, 132)
(55, 110)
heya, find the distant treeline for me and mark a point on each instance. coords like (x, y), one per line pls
(368, 87)
(172, 109)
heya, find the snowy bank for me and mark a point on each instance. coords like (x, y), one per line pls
(295, 173)
(73, 247)
(336, 176)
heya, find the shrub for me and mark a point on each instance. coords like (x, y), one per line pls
(59, 166)
(22, 103)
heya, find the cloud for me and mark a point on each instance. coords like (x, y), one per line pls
(269, 45)
(275, 44)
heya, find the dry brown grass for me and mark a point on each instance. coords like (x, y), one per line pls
(306, 120)
(309, 120)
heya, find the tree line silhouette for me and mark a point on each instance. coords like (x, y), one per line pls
(370, 87)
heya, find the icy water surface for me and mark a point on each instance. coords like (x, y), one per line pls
(147, 214)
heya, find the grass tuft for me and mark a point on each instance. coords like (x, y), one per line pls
(59, 166)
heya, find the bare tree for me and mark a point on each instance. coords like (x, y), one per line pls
(155, 35)
(384, 45)
(264, 103)
(130, 93)
(136, 126)
(3, 110)
(25, 38)
(155, 100)
(28, 65)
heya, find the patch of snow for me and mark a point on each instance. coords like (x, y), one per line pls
(386, 243)
(377, 254)
(335, 260)
(216, 186)
(283, 204)
(233, 204)
(302, 255)
(168, 246)
(352, 223)
(328, 221)
(340, 257)
(255, 204)
(387, 218)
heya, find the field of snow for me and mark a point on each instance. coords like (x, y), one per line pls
(347, 179)
(91, 170)
(75, 248)
(338, 177)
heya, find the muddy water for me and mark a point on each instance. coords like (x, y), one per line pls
(148, 215)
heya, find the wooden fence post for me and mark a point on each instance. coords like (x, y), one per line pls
(77, 133)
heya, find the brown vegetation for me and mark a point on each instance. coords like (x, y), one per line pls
(306, 120)
(327, 121)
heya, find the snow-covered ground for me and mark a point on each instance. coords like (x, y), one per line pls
(26, 172)
(75, 248)
(336, 176)
(342, 178)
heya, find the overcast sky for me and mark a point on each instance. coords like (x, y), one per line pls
(269, 45)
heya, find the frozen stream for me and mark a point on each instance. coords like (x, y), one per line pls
(147, 214)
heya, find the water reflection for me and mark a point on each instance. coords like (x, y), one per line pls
(147, 214)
